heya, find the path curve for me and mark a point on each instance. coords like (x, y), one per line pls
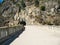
(39, 35)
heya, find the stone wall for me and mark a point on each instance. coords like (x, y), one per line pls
(6, 32)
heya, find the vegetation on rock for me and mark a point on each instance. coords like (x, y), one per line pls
(40, 11)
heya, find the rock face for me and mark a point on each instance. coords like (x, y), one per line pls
(47, 13)
(8, 10)
(31, 11)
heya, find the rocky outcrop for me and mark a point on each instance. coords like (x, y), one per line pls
(31, 11)
(8, 10)
(48, 12)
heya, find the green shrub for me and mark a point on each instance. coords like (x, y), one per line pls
(23, 4)
(42, 8)
(36, 3)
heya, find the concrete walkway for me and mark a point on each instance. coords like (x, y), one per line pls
(39, 35)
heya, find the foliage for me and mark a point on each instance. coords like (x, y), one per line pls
(42, 8)
(36, 3)
(23, 4)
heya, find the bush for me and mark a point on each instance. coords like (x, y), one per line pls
(42, 8)
(23, 4)
(36, 3)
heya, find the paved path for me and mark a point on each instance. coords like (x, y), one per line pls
(39, 35)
